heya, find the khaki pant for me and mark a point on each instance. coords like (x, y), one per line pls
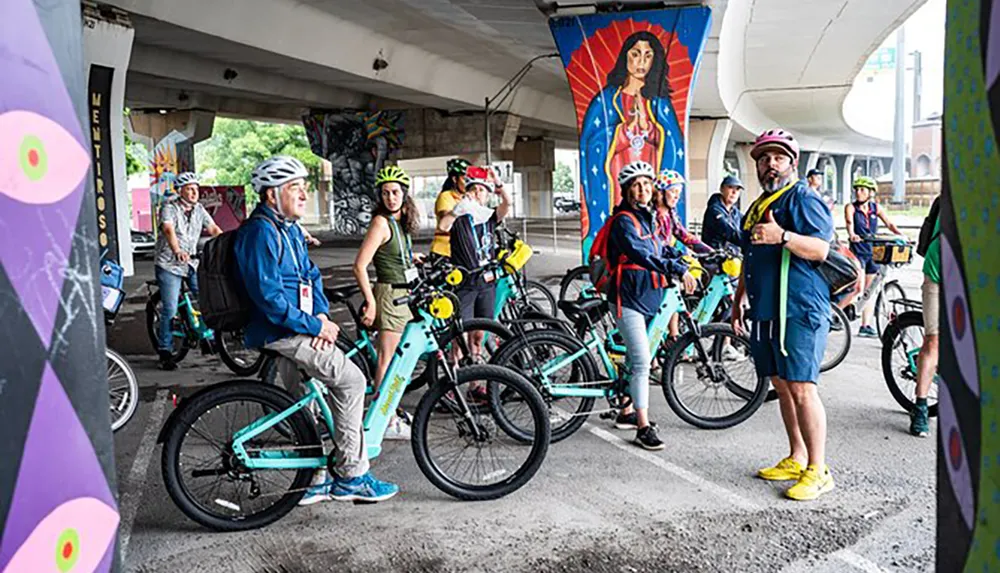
(930, 292)
(347, 390)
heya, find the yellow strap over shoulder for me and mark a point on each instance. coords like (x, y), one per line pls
(757, 209)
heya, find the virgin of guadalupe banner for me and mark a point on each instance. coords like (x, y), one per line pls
(630, 74)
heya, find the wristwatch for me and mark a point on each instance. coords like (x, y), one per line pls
(785, 235)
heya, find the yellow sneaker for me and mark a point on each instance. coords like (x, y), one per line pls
(813, 483)
(787, 469)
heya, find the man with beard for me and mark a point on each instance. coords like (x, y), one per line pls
(786, 234)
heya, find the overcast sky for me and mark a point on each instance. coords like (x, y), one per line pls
(870, 106)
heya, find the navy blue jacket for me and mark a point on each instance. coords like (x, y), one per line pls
(637, 289)
(273, 284)
(721, 226)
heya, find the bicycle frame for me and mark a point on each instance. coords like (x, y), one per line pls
(657, 329)
(197, 329)
(718, 289)
(418, 338)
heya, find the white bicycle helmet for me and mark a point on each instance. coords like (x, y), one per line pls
(633, 170)
(185, 178)
(277, 171)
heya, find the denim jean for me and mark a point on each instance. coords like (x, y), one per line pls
(632, 326)
(170, 292)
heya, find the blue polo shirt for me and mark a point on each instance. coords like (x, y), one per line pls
(802, 212)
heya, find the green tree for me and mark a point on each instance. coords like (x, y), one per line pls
(562, 180)
(136, 154)
(238, 145)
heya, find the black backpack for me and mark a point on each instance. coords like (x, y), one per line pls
(927, 235)
(222, 300)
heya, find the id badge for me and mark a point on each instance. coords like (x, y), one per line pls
(306, 298)
(489, 276)
(411, 274)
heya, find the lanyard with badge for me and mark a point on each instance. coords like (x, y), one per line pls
(409, 271)
(305, 287)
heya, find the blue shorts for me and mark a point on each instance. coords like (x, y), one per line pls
(805, 343)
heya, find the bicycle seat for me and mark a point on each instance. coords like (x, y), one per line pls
(576, 310)
(341, 293)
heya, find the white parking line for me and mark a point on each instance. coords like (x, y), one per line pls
(845, 555)
(686, 475)
(135, 485)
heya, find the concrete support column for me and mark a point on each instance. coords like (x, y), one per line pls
(807, 160)
(748, 172)
(107, 47)
(171, 137)
(707, 141)
(535, 159)
(845, 176)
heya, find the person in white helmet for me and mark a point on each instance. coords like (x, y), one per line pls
(290, 315)
(181, 224)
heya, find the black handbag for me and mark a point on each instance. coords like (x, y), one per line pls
(839, 270)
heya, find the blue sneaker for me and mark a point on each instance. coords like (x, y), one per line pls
(362, 488)
(867, 332)
(317, 492)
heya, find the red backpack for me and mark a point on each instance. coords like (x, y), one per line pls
(603, 271)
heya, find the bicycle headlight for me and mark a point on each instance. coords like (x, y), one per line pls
(454, 278)
(442, 308)
(732, 267)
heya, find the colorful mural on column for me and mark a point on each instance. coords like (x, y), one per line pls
(226, 204)
(165, 165)
(57, 481)
(630, 74)
(969, 427)
(357, 144)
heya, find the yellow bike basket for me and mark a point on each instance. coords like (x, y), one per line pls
(518, 258)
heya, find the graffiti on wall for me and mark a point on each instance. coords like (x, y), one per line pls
(969, 413)
(630, 75)
(357, 144)
(57, 504)
(226, 204)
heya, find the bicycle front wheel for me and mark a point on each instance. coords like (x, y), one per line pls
(154, 308)
(540, 296)
(838, 341)
(575, 283)
(717, 389)
(885, 311)
(205, 478)
(461, 449)
(536, 356)
(123, 390)
(901, 344)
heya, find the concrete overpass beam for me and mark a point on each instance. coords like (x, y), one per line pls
(432, 133)
(107, 46)
(707, 141)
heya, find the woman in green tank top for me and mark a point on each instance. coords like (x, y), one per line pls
(388, 244)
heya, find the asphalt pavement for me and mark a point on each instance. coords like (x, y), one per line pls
(597, 504)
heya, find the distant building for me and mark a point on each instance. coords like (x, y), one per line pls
(925, 149)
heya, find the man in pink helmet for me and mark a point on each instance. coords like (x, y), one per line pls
(786, 233)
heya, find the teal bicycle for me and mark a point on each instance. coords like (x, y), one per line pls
(240, 455)
(901, 343)
(708, 364)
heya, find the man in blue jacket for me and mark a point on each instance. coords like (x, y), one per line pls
(721, 225)
(290, 315)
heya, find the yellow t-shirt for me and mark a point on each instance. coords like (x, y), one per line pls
(445, 203)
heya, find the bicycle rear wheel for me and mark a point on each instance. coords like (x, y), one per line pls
(153, 310)
(123, 390)
(461, 449)
(719, 391)
(235, 355)
(206, 480)
(529, 355)
(540, 295)
(903, 339)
